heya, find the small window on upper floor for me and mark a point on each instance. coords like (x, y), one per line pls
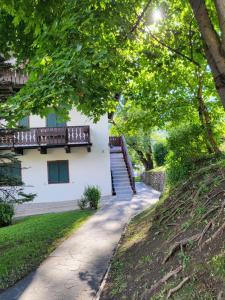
(58, 171)
(24, 122)
(10, 174)
(53, 121)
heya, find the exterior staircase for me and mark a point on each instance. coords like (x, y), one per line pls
(123, 183)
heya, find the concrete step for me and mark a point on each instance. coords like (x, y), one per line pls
(121, 183)
(119, 177)
(118, 173)
(123, 179)
(124, 191)
(121, 164)
(119, 169)
(124, 194)
(124, 187)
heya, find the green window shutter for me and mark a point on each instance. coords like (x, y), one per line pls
(53, 172)
(12, 170)
(58, 172)
(3, 170)
(15, 170)
(51, 120)
(54, 121)
(63, 171)
(60, 124)
(24, 122)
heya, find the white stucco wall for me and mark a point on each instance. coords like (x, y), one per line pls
(85, 168)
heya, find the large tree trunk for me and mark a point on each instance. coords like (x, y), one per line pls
(146, 159)
(213, 44)
(206, 121)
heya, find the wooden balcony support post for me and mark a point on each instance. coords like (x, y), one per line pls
(67, 149)
(43, 150)
(17, 150)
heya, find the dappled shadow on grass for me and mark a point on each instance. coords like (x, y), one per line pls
(76, 268)
(26, 243)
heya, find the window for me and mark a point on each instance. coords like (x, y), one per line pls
(53, 121)
(58, 171)
(10, 174)
(24, 122)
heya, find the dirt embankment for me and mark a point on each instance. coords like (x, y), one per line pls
(177, 249)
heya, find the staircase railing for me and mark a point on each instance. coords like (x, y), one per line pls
(113, 187)
(128, 163)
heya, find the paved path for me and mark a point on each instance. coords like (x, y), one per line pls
(75, 269)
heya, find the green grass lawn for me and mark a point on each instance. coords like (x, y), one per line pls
(24, 245)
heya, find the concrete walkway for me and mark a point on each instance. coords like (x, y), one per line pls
(75, 269)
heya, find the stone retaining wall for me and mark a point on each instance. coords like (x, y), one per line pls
(155, 179)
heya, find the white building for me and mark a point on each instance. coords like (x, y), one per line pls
(58, 160)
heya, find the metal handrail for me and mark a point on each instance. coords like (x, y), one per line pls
(128, 163)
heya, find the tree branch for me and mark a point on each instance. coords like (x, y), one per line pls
(208, 32)
(220, 7)
(135, 26)
(174, 50)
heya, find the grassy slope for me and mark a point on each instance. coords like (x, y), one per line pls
(138, 264)
(25, 244)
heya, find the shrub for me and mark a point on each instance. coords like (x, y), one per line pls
(187, 146)
(91, 196)
(11, 187)
(82, 203)
(160, 151)
(6, 214)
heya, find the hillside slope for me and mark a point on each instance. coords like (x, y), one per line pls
(177, 249)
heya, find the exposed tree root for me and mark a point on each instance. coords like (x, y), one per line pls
(220, 296)
(215, 235)
(181, 244)
(177, 288)
(157, 285)
(185, 206)
(196, 195)
(166, 217)
(175, 236)
(217, 194)
(207, 227)
(221, 213)
(210, 198)
(209, 212)
(172, 224)
(172, 207)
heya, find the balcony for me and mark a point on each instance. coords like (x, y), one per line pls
(45, 137)
(13, 77)
(11, 81)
